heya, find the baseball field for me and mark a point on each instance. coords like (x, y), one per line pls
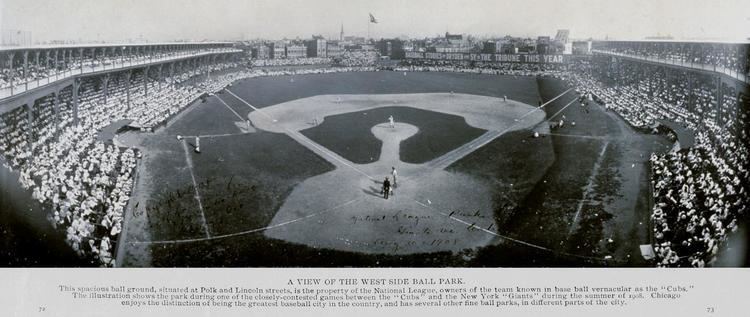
(290, 173)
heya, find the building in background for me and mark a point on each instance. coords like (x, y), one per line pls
(544, 45)
(451, 43)
(562, 42)
(562, 36)
(510, 47)
(351, 40)
(491, 47)
(393, 48)
(277, 50)
(261, 51)
(333, 49)
(455, 39)
(316, 47)
(581, 47)
(296, 51)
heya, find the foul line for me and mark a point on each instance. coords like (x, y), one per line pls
(298, 136)
(462, 151)
(208, 136)
(301, 137)
(230, 109)
(561, 110)
(586, 191)
(248, 231)
(195, 185)
(249, 105)
(528, 244)
(465, 149)
(545, 104)
(578, 136)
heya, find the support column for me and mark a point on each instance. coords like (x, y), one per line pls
(127, 89)
(56, 108)
(12, 71)
(80, 59)
(25, 65)
(171, 73)
(93, 57)
(54, 61)
(719, 98)
(76, 86)
(691, 95)
(105, 81)
(206, 65)
(30, 123)
(145, 81)
(159, 78)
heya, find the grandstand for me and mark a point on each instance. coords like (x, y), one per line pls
(53, 109)
(700, 191)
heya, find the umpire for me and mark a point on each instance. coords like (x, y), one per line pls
(386, 187)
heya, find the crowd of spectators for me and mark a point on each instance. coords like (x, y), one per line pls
(515, 69)
(291, 61)
(86, 182)
(700, 193)
(642, 96)
(700, 196)
(357, 59)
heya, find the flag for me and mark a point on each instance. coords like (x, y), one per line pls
(372, 19)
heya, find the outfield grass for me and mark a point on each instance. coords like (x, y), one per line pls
(267, 91)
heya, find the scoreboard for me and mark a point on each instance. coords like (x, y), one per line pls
(499, 58)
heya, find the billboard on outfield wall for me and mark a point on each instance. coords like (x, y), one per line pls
(500, 58)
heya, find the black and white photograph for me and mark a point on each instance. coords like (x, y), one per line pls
(374, 134)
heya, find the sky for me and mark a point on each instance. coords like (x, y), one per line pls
(170, 20)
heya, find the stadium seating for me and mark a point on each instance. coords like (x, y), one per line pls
(290, 61)
(699, 193)
(74, 65)
(728, 56)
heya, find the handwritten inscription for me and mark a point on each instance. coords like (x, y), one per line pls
(417, 230)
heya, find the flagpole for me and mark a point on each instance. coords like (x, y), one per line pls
(368, 28)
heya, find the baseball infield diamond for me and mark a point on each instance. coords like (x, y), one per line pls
(431, 209)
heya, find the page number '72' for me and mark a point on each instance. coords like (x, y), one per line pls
(710, 310)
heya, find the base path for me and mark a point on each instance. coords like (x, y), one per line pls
(430, 210)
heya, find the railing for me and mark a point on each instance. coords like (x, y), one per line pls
(734, 73)
(19, 88)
